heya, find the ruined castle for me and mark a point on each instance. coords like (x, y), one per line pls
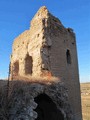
(49, 49)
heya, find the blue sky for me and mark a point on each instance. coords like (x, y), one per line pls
(15, 17)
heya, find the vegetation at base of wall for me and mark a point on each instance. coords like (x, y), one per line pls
(85, 97)
(9, 99)
(3, 100)
(5, 103)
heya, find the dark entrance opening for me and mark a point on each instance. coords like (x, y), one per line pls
(47, 109)
(28, 65)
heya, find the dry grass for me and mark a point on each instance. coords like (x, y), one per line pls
(85, 97)
(17, 88)
(35, 79)
(3, 100)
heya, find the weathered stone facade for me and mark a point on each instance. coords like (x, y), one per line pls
(35, 100)
(25, 101)
(48, 49)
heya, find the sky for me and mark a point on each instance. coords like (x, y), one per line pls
(15, 17)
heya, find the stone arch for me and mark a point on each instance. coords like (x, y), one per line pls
(68, 56)
(16, 68)
(47, 109)
(28, 64)
(54, 94)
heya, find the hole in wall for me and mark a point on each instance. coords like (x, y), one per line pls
(38, 35)
(73, 43)
(28, 64)
(68, 56)
(47, 109)
(43, 37)
(16, 68)
(22, 42)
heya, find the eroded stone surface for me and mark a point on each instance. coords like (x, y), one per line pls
(23, 105)
(48, 49)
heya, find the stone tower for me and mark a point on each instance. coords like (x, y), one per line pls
(48, 49)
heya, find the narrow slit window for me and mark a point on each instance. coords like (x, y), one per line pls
(68, 56)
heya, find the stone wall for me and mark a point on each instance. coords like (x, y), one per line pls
(63, 45)
(48, 49)
(19, 102)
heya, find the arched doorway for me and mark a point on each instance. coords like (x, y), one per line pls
(28, 65)
(16, 68)
(47, 109)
